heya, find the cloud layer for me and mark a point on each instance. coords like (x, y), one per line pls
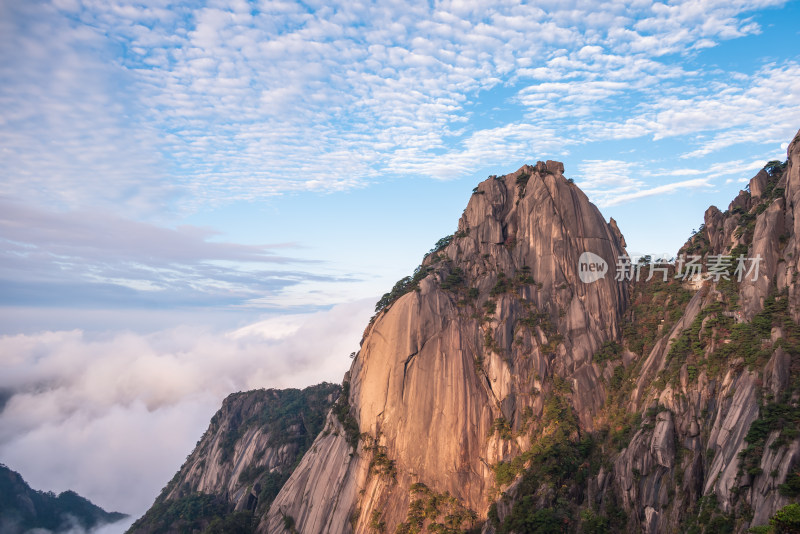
(125, 408)
(152, 102)
(88, 258)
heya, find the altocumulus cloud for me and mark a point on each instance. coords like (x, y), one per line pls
(204, 103)
(123, 410)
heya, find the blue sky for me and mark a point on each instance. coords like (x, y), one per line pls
(222, 165)
(339, 141)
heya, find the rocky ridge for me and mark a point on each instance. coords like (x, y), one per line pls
(497, 391)
(451, 371)
(718, 397)
(241, 461)
(25, 510)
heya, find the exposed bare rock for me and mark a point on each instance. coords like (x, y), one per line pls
(432, 378)
(614, 228)
(792, 220)
(651, 520)
(713, 221)
(330, 482)
(766, 246)
(657, 358)
(727, 435)
(243, 458)
(514, 380)
(758, 184)
(776, 372)
(764, 494)
(662, 446)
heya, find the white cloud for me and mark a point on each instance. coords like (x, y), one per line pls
(614, 182)
(759, 109)
(498, 147)
(746, 169)
(597, 175)
(694, 183)
(228, 102)
(87, 412)
(65, 129)
(92, 258)
(131, 108)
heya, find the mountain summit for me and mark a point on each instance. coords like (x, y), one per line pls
(493, 319)
(529, 377)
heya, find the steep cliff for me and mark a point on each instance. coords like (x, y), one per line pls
(717, 444)
(702, 404)
(241, 461)
(495, 372)
(529, 378)
(459, 365)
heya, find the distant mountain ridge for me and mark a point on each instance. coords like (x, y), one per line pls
(23, 509)
(498, 391)
(248, 452)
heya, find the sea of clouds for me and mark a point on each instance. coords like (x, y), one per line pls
(113, 416)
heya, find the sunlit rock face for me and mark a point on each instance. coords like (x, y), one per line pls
(518, 378)
(502, 311)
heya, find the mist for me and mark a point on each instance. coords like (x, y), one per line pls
(112, 416)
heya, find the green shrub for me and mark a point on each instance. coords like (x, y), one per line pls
(655, 306)
(403, 286)
(617, 378)
(441, 244)
(376, 523)
(191, 513)
(692, 373)
(502, 285)
(527, 518)
(787, 520)
(592, 523)
(773, 417)
(271, 484)
(502, 427)
(380, 462)
(442, 512)
(791, 488)
(504, 473)
(341, 409)
(522, 182)
(251, 472)
(708, 518)
(455, 280)
(524, 276)
(774, 167)
(609, 351)
(235, 523)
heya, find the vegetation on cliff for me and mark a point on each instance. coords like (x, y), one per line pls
(290, 420)
(509, 397)
(23, 509)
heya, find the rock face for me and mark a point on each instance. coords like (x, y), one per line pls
(515, 384)
(724, 376)
(242, 460)
(501, 311)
